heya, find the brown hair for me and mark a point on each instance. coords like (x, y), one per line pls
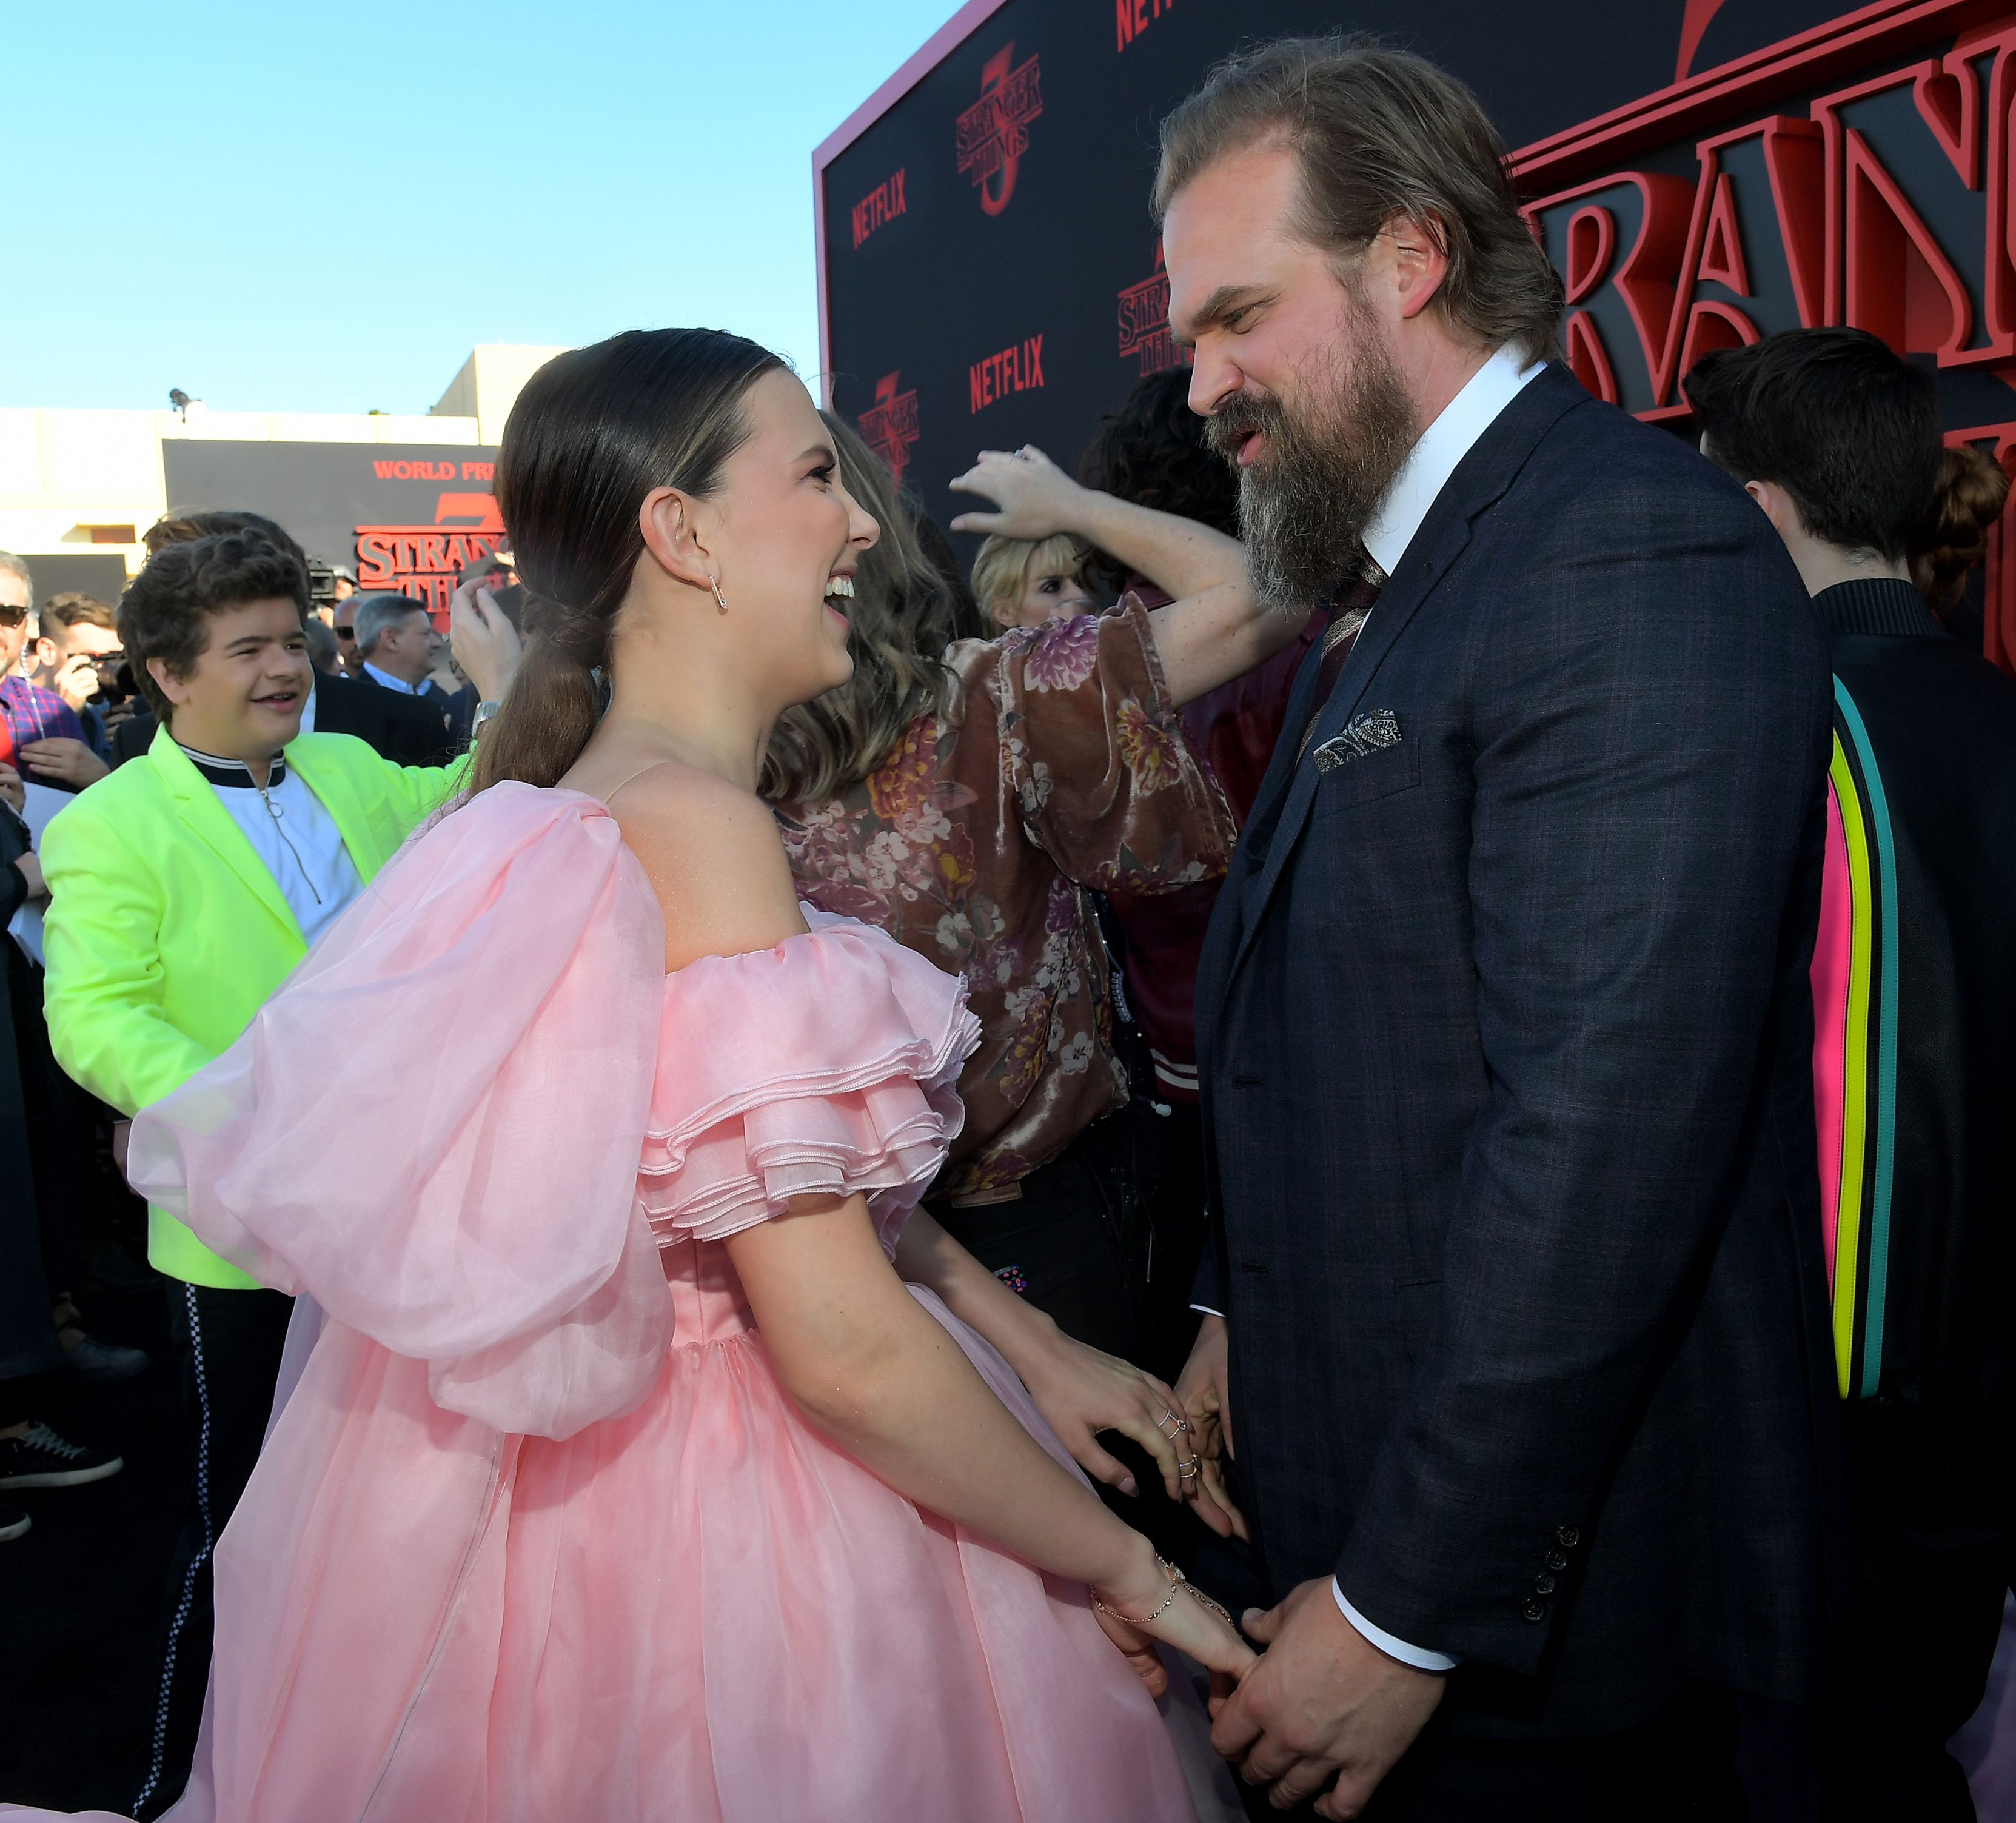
(179, 528)
(166, 609)
(595, 430)
(1381, 133)
(1972, 490)
(908, 607)
(72, 607)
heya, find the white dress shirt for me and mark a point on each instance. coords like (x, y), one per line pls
(1422, 477)
(295, 838)
(398, 684)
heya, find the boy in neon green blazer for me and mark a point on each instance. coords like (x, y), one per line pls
(184, 889)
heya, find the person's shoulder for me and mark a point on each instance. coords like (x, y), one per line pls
(129, 809)
(715, 854)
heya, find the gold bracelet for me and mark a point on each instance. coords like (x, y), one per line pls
(1176, 1582)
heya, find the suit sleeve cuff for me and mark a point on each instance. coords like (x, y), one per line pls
(1206, 1310)
(1418, 1656)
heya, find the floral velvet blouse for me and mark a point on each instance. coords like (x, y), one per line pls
(1057, 763)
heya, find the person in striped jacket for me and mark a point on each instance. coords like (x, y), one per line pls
(1838, 439)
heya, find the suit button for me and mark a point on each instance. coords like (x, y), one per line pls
(1557, 1560)
(1543, 1585)
(1569, 1538)
(1534, 1610)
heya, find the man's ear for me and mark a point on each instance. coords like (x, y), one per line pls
(171, 686)
(1778, 506)
(46, 650)
(1420, 251)
(674, 529)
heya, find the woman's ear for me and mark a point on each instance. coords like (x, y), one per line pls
(669, 520)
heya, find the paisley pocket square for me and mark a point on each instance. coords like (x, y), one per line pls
(1362, 735)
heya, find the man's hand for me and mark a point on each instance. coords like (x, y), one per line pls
(485, 642)
(13, 793)
(61, 760)
(31, 870)
(1035, 497)
(1201, 1398)
(1322, 1703)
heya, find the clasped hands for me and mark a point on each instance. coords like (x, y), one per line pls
(1323, 1709)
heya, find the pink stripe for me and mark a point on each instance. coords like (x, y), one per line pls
(1833, 952)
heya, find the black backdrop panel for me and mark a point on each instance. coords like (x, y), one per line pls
(988, 330)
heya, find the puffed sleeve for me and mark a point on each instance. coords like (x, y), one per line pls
(825, 1066)
(1092, 747)
(435, 1126)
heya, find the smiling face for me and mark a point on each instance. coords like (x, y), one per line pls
(783, 537)
(1294, 367)
(243, 698)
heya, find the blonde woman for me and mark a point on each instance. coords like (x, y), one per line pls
(1023, 582)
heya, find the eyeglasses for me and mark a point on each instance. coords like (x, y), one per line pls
(12, 616)
(345, 632)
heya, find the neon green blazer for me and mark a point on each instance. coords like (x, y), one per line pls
(165, 934)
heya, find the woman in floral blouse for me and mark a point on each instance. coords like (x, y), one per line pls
(962, 802)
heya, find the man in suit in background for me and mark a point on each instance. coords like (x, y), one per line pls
(1504, 1024)
(398, 648)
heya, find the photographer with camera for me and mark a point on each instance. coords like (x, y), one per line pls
(43, 737)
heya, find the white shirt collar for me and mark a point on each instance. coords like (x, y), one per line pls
(1442, 446)
(393, 683)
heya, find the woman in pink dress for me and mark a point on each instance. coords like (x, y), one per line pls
(626, 1480)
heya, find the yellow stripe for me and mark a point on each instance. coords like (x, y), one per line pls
(1855, 1075)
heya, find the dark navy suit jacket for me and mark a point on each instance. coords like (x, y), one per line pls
(1506, 1044)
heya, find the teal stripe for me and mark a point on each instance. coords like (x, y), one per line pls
(1886, 1046)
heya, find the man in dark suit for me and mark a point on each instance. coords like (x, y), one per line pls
(1503, 1025)
(1838, 440)
(398, 647)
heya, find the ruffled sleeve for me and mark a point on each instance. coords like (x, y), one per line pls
(433, 1127)
(824, 1066)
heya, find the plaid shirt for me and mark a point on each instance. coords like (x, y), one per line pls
(34, 714)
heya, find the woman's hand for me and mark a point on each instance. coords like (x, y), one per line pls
(483, 641)
(1081, 1392)
(1157, 1603)
(1200, 1388)
(1034, 498)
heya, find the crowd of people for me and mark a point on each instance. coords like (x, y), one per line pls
(1403, 994)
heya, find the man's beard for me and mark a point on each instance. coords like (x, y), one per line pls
(1322, 474)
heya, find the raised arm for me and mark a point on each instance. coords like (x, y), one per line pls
(1214, 631)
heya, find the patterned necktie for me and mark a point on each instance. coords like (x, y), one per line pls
(1348, 610)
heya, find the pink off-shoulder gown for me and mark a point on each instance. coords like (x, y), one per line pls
(538, 1536)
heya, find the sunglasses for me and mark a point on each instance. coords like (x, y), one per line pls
(12, 616)
(343, 632)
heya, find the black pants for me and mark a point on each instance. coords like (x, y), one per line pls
(1679, 1767)
(1932, 1551)
(228, 1348)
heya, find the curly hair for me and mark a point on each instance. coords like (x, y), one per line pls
(166, 610)
(1152, 452)
(179, 528)
(909, 604)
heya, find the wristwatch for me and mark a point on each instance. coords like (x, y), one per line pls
(484, 712)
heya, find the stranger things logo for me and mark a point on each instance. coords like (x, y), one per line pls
(1884, 203)
(993, 135)
(424, 561)
(1144, 323)
(889, 426)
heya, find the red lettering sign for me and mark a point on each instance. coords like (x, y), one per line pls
(992, 135)
(424, 561)
(882, 204)
(1131, 18)
(1013, 370)
(889, 426)
(1144, 322)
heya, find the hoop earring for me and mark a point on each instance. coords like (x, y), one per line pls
(720, 600)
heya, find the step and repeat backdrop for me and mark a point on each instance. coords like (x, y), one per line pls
(1701, 171)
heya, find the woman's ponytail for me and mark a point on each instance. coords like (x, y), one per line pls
(554, 701)
(1972, 489)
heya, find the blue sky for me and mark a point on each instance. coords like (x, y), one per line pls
(323, 208)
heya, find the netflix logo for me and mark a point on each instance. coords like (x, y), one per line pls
(1014, 370)
(1133, 17)
(882, 204)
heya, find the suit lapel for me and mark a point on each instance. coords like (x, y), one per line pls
(207, 819)
(1481, 479)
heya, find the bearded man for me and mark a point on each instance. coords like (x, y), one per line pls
(1503, 1019)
